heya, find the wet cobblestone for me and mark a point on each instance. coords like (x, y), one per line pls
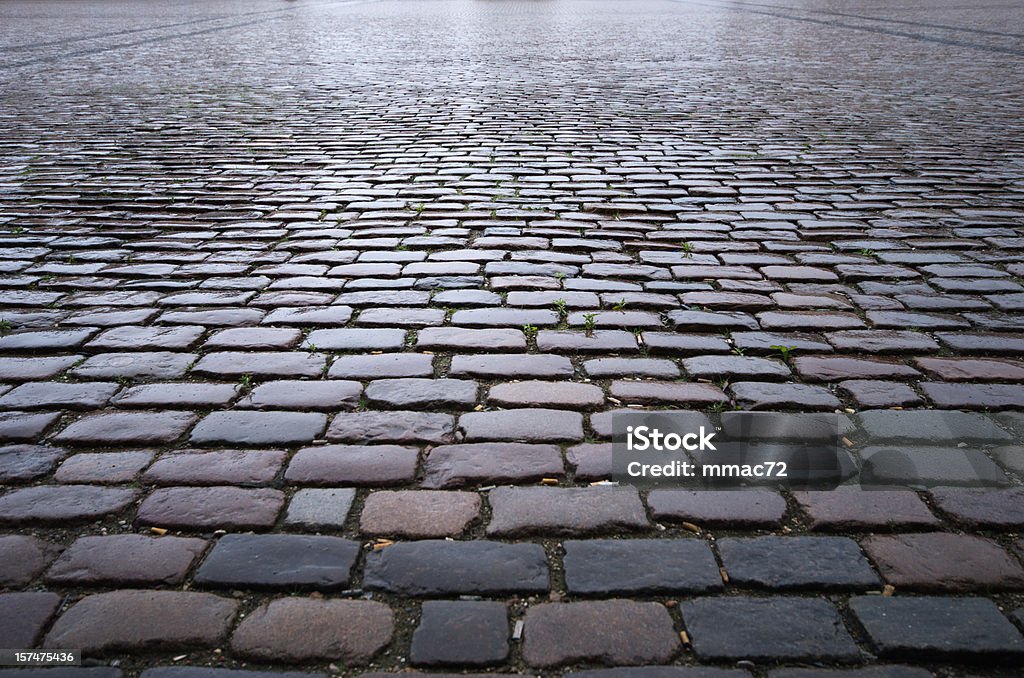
(314, 317)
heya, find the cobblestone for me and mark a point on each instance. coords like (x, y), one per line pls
(878, 341)
(760, 396)
(388, 365)
(746, 628)
(259, 428)
(390, 276)
(590, 461)
(462, 633)
(439, 568)
(185, 395)
(26, 462)
(126, 560)
(391, 427)
(926, 427)
(55, 395)
(522, 425)
(939, 628)
(142, 365)
(218, 467)
(640, 566)
(929, 467)
(460, 465)
(619, 367)
(143, 621)
(667, 393)
(878, 510)
(998, 509)
(836, 368)
(127, 428)
(22, 558)
(723, 508)
(881, 671)
(511, 366)
(320, 507)
(939, 561)
(62, 504)
(197, 508)
(353, 465)
(521, 511)
(796, 562)
(616, 632)
(597, 341)
(987, 397)
(293, 630)
(23, 616)
(304, 395)
(876, 394)
(735, 367)
(546, 394)
(421, 393)
(418, 515)
(278, 561)
(457, 338)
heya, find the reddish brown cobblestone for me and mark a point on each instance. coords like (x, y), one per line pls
(293, 630)
(877, 510)
(614, 632)
(62, 504)
(196, 508)
(126, 560)
(999, 509)
(143, 621)
(950, 562)
(418, 514)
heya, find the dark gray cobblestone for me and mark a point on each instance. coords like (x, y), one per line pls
(279, 561)
(430, 568)
(938, 627)
(314, 317)
(796, 562)
(737, 628)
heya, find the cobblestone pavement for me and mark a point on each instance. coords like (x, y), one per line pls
(314, 313)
